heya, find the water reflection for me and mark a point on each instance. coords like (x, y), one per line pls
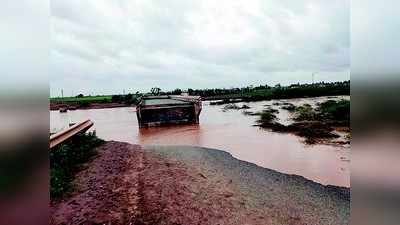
(171, 135)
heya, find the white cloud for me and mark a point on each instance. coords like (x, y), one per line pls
(105, 46)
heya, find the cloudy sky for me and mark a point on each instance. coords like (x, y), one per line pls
(107, 46)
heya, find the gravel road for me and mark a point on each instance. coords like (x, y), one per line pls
(130, 184)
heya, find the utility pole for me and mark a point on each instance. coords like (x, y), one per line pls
(313, 78)
(62, 93)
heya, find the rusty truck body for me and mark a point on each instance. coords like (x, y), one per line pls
(168, 109)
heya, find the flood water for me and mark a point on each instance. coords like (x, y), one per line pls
(231, 131)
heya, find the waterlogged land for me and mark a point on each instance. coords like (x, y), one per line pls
(164, 180)
(232, 131)
(325, 121)
(248, 94)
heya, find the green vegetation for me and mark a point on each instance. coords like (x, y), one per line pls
(313, 124)
(265, 92)
(66, 158)
(335, 110)
(267, 117)
(234, 106)
(155, 91)
(81, 98)
(126, 99)
(312, 131)
(232, 95)
(289, 107)
(329, 111)
(305, 113)
(81, 101)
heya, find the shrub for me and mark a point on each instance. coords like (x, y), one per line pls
(266, 117)
(66, 158)
(83, 104)
(231, 106)
(131, 99)
(116, 98)
(304, 113)
(105, 100)
(328, 110)
(289, 107)
(335, 110)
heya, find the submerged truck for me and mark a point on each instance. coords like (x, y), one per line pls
(167, 110)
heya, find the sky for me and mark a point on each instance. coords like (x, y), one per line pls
(112, 46)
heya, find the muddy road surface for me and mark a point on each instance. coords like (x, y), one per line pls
(130, 184)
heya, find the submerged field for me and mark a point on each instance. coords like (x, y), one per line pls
(235, 167)
(234, 132)
(323, 122)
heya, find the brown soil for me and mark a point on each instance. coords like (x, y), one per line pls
(170, 185)
(73, 106)
(126, 185)
(104, 192)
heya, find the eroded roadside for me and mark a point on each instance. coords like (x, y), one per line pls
(106, 190)
(126, 184)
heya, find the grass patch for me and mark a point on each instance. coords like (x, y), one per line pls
(331, 110)
(334, 110)
(234, 107)
(289, 107)
(66, 159)
(312, 131)
(82, 100)
(305, 113)
(267, 117)
(99, 98)
(314, 125)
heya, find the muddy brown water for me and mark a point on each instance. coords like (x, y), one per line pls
(231, 131)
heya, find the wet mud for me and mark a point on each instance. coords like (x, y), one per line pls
(130, 184)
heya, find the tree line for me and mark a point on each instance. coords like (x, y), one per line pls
(268, 92)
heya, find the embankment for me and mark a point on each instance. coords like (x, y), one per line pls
(91, 105)
(127, 184)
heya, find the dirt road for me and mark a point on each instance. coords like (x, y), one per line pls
(126, 184)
